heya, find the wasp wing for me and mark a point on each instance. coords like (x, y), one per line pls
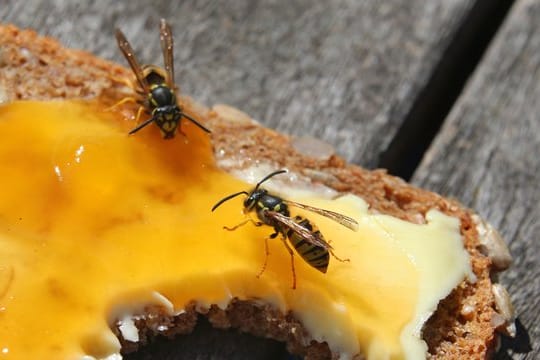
(165, 35)
(301, 231)
(339, 218)
(129, 54)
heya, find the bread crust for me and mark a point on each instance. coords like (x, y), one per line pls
(35, 67)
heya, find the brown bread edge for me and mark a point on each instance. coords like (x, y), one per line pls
(39, 68)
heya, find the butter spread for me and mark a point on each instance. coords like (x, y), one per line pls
(95, 224)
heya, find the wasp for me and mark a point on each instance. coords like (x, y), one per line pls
(297, 232)
(156, 87)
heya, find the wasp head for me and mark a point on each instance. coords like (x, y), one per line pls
(253, 198)
(161, 96)
(256, 196)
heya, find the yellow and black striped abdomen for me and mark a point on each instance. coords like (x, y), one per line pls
(315, 255)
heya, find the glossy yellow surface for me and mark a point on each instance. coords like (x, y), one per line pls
(94, 223)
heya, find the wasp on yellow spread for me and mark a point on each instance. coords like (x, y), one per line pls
(301, 233)
(156, 88)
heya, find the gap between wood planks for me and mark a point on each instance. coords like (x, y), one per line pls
(435, 101)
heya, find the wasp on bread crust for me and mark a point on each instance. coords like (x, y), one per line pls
(300, 232)
(156, 87)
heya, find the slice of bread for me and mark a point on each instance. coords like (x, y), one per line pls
(466, 322)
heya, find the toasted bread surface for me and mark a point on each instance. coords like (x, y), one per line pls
(34, 67)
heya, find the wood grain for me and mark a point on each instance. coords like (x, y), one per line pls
(487, 155)
(345, 71)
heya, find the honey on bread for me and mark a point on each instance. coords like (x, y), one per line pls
(94, 222)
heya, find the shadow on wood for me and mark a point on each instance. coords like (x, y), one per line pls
(433, 104)
(521, 344)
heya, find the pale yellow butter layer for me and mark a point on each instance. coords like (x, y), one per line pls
(95, 224)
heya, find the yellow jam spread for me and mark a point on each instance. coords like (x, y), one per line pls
(95, 224)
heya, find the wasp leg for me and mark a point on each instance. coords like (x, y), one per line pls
(335, 256)
(256, 223)
(292, 262)
(267, 252)
(122, 80)
(179, 130)
(271, 236)
(138, 116)
(123, 101)
(338, 258)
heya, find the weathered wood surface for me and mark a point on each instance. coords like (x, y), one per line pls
(346, 71)
(487, 155)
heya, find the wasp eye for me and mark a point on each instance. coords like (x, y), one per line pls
(250, 202)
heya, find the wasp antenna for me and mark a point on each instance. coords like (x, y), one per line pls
(141, 126)
(196, 123)
(228, 198)
(282, 171)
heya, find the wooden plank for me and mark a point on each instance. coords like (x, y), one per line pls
(345, 71)
(487, 155)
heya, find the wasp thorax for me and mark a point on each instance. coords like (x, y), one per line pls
(274, 203)
(162, 95)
